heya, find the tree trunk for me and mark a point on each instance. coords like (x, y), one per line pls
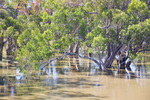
(110, 60)
(123, 5)
(71, 48)
(108, 53)
(1, 52)
(77, 48)
(9, 46)
(90, 54)
(78, 68)
(1, 47)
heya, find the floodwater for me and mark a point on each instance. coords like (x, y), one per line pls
(75, 79)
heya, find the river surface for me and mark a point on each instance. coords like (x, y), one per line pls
(75, 79)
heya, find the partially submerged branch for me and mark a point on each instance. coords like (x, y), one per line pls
(49, 61)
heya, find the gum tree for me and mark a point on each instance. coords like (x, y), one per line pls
(110, 28)
(9, 29)
(106, 27)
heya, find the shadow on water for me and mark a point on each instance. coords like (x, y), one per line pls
(62, 76)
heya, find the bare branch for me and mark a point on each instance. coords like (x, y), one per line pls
(95, 6)
(107, 5)
(89, 12)
(106, 27)
(123, 5)
(49, 61)
(128, 3)
(144, 50)
(148, 2)
(124, 8)
(26, 12)
(100, 60)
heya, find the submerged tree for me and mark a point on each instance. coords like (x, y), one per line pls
(106, 27)
(111, 30)
(109, 27)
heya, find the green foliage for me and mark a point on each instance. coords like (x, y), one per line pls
(99, 42)
(120, 17)
(69, 23)
(138, 56)
(139, 31)
(137, 10)
(132, 56)
(3, 14)
(94, 36)
(33, 46)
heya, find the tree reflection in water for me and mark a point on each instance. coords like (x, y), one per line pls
(6, 88)
(62, 76)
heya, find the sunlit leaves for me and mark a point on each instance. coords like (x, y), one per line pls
(9, 31)
(96, 39)
(63, 43)
(54, 4)
(99, 42)
(119, 16)
(141, 28)
(137, 10)
(59, 24)
(34, 46)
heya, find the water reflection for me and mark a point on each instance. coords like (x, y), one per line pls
(6, 88)
(75, 78)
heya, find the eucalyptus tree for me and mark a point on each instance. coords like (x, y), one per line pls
(14, 16)
(102, 26)
(109, 27)
(9, 28)
(68, 20)
(51, 32)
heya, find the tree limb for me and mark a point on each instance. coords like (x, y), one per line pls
(112, 57)
(123, 5)
(128, 3)
(107, 5)
(89, 12)
(49, 61)
(148, 2)
(100, 60)
(7, 9)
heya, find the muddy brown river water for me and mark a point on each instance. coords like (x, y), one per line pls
(75, 79)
